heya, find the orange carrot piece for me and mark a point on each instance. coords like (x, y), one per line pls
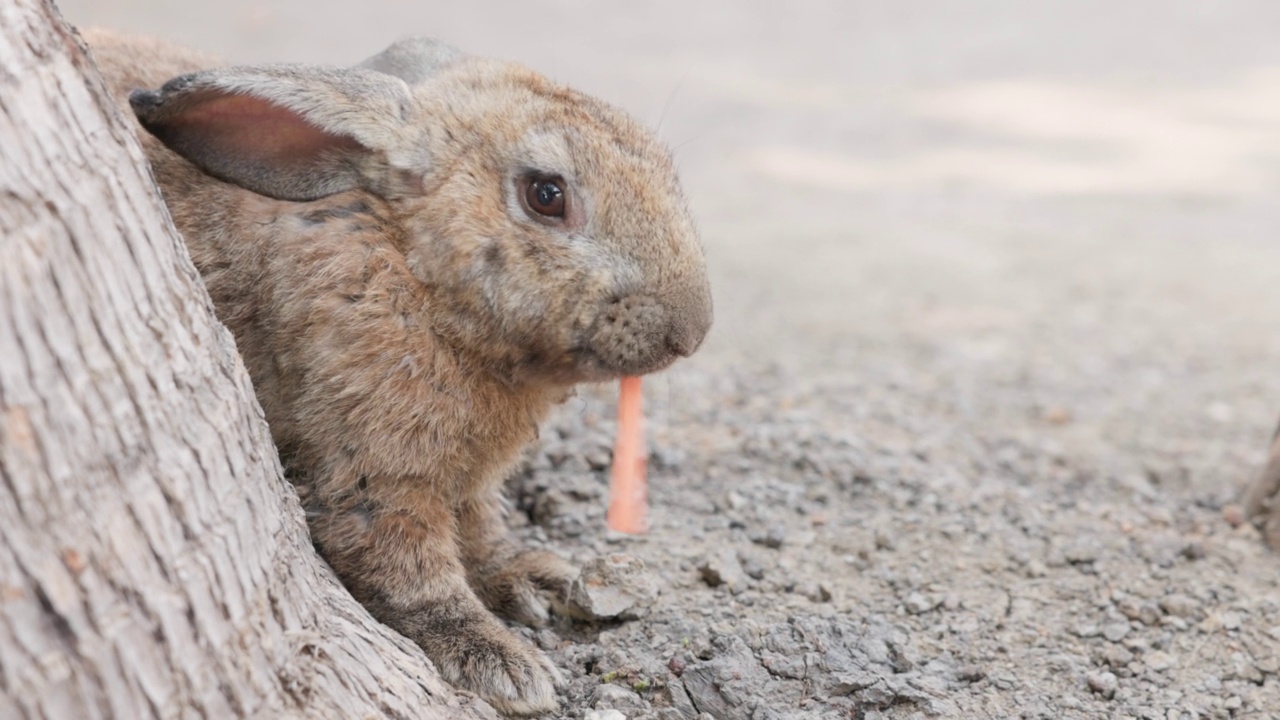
(628, 499)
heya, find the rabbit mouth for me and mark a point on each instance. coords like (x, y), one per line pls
(591, 366)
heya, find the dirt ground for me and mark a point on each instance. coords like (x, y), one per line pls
(998, 290)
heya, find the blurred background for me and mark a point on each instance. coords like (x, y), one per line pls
(1059, 215)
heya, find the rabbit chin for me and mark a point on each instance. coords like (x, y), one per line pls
(592, 367)
(581, 364)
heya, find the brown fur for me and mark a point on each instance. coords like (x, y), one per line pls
(407, 332)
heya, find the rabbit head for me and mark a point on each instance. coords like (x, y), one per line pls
(548, 228)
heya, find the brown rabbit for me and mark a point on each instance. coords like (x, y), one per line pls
(1262, 501)
(418, 257)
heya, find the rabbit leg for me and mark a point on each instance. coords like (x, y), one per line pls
(403, 565)
(511, 581)
(1262, 501)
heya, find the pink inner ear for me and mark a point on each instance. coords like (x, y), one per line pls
(253, 129)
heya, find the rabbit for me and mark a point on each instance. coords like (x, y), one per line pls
(1262, 500)
(418, 257)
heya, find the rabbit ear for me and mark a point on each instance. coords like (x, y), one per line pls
(286, 131)
(414, 59)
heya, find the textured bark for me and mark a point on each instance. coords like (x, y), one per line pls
(153, 561)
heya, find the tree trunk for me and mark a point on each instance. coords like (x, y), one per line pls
(153, 561)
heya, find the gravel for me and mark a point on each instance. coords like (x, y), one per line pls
(988, 577)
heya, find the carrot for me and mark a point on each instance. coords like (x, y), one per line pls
(628, 499)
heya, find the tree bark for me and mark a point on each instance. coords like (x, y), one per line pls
(153, 560)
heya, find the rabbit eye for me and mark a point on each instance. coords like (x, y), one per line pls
(545, 196)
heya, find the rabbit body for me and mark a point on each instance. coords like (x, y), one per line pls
(376, 241)
(1262, 499)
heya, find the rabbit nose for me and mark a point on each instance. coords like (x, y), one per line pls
(682, 342)
(637, 334)
(628, 333)
(690, 316)
(687, 333)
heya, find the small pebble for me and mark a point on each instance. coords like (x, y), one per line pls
(722, 568)
(1085, 630)
(1179, 605)
(1104, 684)
(918, 604)
(614, 586)
(775, 537)
(1145, 612)
(676, 665)
(1158, 661)
(608, 696)
(1193, 550)
(1115, 632)
(1057, 415)
(1116, 656)
(1233, 515)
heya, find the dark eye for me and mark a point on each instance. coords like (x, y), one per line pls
(545, 196)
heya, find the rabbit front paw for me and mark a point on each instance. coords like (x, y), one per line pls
(472, 650)
(514, 585)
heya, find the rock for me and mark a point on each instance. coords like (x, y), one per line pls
(609, 714)
(752, 566)
(1086, 630)
(1115, 632)
(1234, 515)
(1158, 661)
(1145, 612)
(676, 665)
(1116, 656)
(1004, 680)
(723, 568)
(1194, 550)
(729, 681)
(776, 536)
(599, 459)
(680, 701)
(1103, 684)
(612, 697)
(612, 587)
(1241, 667)
(918, 604)
(848, 683)
(667, 458)
(1082, 550)
(1179, 605)
(817, 592)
